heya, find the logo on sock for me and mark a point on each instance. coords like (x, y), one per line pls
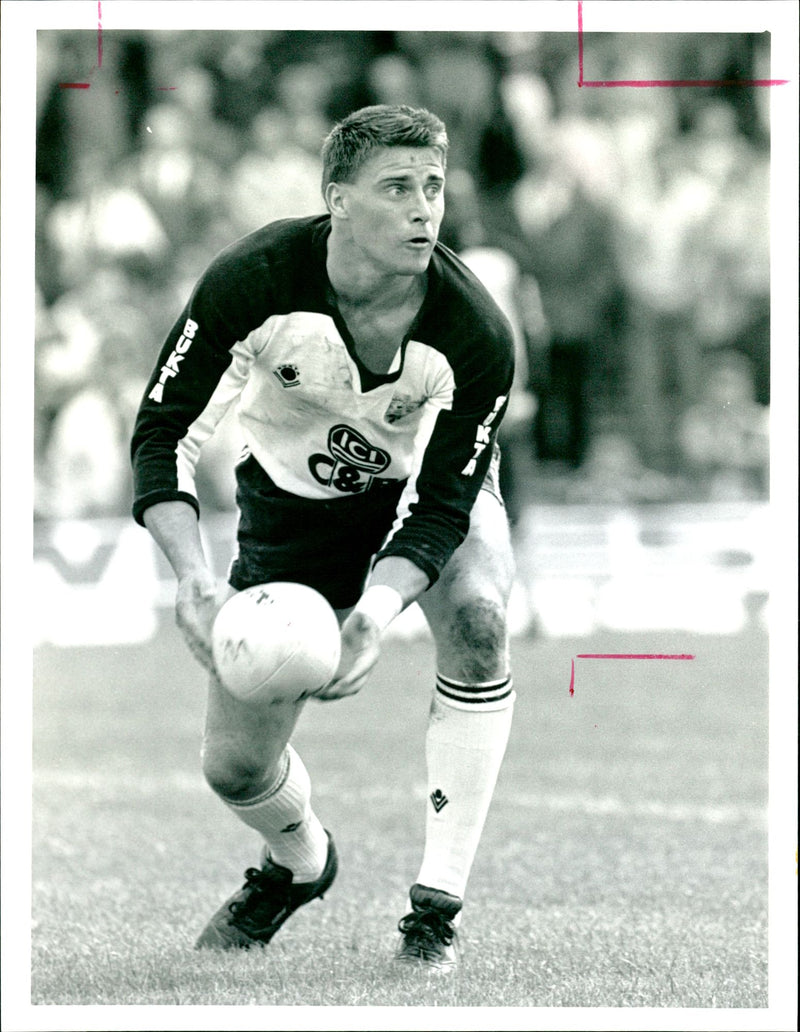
(291, 827)
(439, 800)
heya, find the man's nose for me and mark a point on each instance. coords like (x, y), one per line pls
(420, 209)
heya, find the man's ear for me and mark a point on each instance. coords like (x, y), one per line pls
(336, 200)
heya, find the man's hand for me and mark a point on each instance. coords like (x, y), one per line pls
(175, 530)
(361, 647)
(196, 606)
(394, 583)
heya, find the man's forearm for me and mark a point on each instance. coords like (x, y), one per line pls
(176, 530)
(401, 574)
(395, 582)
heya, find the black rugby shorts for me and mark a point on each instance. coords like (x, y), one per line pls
(327, 545)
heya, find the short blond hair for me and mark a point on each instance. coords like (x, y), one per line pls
(351, 141)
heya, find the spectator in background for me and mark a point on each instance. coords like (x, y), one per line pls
(569, 251)
(392, 79)
(89, 370)
(729, 246)
(84, 456)
(242, 65)
(457, 78)
(657, 204)
(690, 229)
(69, 124)
(614, 474)
(303, 92)
(276, 177)
(181, 184)
(211, 136)
(101, 220)
(724, 438)
(50, 395)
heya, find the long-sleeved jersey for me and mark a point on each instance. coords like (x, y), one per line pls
(262, 327)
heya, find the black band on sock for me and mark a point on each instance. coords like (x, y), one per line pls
(477, 694)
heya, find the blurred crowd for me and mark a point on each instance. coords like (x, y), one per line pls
(624, 231)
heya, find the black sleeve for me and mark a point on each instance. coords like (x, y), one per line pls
(188, 392)
(452, 469)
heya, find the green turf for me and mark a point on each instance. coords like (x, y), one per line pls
(623, 863)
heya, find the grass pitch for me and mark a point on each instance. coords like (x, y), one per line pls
(624, 861)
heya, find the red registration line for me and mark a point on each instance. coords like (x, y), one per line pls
(622, 655)
(86, 85)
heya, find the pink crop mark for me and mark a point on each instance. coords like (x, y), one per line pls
(650, 83)
(621, 655)
(87, 85)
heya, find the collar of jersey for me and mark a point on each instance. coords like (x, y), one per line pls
(369, 380)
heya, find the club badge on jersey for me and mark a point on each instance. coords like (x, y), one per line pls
(352, 464)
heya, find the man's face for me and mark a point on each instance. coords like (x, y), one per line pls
(394, 208)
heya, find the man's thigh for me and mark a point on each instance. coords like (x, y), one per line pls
(239, 736)
(242, 734)
(466, 607)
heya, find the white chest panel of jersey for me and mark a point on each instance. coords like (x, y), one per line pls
(310, 424)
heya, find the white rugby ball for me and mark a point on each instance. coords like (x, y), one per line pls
(276, 642)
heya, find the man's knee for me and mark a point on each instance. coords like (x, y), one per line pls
(476, 639)
(243, 746)
(230, 771)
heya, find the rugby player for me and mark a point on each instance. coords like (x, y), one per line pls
(371, 371)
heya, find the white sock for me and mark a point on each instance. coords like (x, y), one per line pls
(468, 730)
(282, 814)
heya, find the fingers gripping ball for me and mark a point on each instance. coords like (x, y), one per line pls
(276, 642)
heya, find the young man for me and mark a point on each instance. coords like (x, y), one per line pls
(371, 370)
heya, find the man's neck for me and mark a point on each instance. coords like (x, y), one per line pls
(358, 283)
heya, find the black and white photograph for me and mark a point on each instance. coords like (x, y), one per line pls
(495, 304)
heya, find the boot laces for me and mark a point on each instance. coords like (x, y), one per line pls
(264, 889)
(427, 927)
